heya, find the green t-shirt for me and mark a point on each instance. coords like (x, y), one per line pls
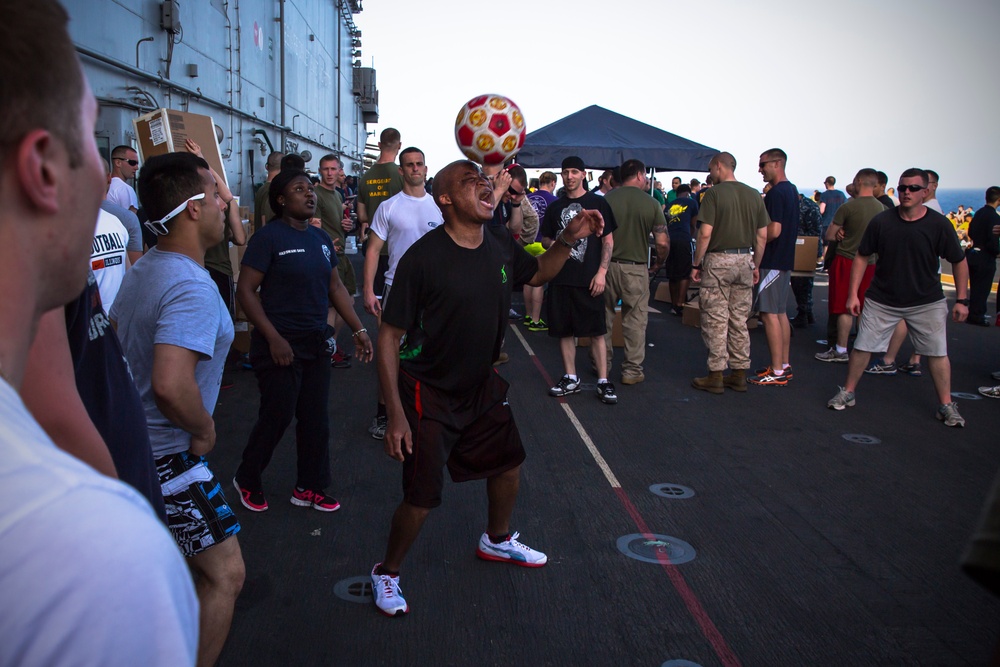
(658, 196)
(378, 184)
(854, 216)
(735, 211)
(636, 214)
(261, 205)
(217, 257)
(330, 210)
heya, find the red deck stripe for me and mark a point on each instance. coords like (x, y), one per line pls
(691, 601)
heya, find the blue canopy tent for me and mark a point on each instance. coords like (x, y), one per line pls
(604, 139)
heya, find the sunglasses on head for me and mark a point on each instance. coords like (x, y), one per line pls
(911, 188)
(132, 163)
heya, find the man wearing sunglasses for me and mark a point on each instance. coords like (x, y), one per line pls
(909, 240)
(124, 164)
(176, 331)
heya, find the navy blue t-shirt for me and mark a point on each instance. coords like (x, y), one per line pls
(297, 266)
(679, 214)
(782, 204)
(109, 394)
(833, 199)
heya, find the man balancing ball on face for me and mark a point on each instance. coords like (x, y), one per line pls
(446, 405)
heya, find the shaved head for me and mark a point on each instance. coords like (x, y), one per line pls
(446, 180)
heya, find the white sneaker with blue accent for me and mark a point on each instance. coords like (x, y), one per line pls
(388, 596)
(510, 551)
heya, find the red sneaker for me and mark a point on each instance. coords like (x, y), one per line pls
(315, 499)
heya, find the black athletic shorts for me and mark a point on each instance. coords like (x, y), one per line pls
(473, 434)
(571, 311)
(679, 260)
(383, 265)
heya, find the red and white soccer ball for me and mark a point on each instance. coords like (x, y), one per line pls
(489, 129)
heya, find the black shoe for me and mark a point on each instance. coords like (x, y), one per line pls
(979, 321)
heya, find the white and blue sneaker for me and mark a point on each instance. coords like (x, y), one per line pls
(510, 551)
(388, 596)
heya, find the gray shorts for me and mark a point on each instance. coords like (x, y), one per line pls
(775, 288)
(927, 325)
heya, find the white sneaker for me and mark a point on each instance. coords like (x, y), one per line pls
(510, 551)
(387, 594)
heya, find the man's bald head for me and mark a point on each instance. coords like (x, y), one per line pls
(446, 180)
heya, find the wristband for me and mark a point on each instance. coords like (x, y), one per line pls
(559, 237)
(964, 302)
(359, 332)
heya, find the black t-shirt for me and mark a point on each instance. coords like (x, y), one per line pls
(109, 394)
(907, 270)
(501, 214)
(782, 204)
(585, 258)
(455, 317)
(981, 230)
(296, 265)
(887, 201)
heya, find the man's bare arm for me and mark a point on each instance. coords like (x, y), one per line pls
(178, 396)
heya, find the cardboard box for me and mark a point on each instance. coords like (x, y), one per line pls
(241, 339)
(617, 336)
(164, 131)
(236, 253)
(806, 253)
(662, 293)
(692, 314)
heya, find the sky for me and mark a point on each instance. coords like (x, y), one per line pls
(839, 85)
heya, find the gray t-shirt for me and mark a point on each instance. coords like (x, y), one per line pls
(169, 299)
(131, 222)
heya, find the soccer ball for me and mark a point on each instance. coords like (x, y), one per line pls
(489, 129)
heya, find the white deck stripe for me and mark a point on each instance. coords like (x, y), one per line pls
(520, 337)
(601, 463)
(582, 432)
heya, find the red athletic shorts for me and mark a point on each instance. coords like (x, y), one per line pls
(840, 281)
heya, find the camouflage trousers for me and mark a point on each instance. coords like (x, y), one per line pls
(725, 296)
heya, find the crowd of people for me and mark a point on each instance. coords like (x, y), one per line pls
(114, 371)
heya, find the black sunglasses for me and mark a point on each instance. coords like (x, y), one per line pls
(132, 163)
(512, 192)
(911, 188)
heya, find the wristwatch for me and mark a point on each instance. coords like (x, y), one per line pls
(964, 302)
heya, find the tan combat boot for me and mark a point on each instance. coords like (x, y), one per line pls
(712, 383)
(737, 380)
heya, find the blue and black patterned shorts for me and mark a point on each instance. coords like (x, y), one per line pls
(198, 515)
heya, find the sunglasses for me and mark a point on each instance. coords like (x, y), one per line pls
(132, 163)
(761, 165)
(159, 227)
(911, 188)
(514, 193)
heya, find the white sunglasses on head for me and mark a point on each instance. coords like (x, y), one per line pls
(159, 227)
